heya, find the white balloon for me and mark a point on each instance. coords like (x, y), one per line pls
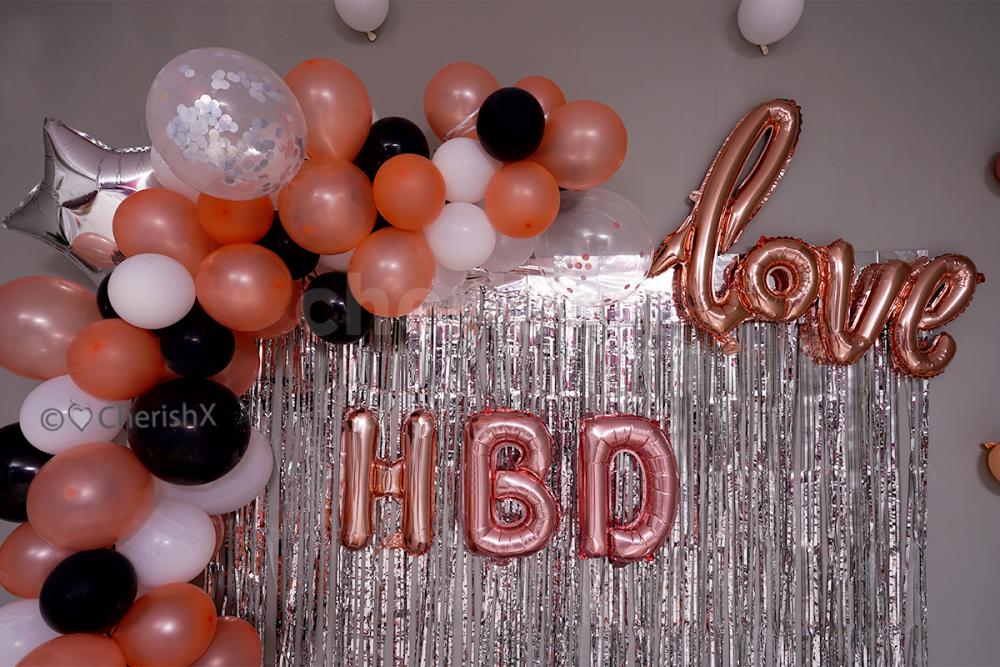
(337, 263)
(509, 253)
(167, 178)
(462, 237)
(173, 545)
(22, 630)
(446, 282)
(766, 21)
(233, 490)
(466, 169)
(362, 15)
(151, 291)
(57, 415)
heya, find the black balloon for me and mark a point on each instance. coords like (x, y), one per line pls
(510, 124)
(188, 430)
(332, 312)
(197, 345)
(388, 138)
(19, 463)
(89, 591)
(300, 262)
(103, 302)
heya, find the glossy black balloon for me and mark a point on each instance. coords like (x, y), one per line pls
(103, 302)
(188, 430)
(197, 345)
(388, 138)
(510, 124)
(300, 262)
(19, 463)
(332, 312)
(89, 591)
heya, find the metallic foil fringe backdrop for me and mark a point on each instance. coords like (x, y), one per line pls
(800, 531)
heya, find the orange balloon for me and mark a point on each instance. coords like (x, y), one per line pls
(241, 373)
(391, 272)
(75, 650)
(548, 94)
(583, 145)
(288, 320)
(522, 200)
(168, 626)
(243, 286)
(409, 191)
(328, 207)
(236, 644)
(89, 496)
(162, 222)
(453, 97)
(114, 360)
(336, 106)
(25, 560)
(227, 221)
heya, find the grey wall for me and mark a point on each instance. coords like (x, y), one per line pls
(902, 115)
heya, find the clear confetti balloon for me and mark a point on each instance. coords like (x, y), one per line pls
(598, 249)
(226, 124)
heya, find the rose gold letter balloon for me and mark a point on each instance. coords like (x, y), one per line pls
(391, 272)
(161, 222)
(485, 434)
(336, 106)
(236, 644)
(89, 496)
(937, 292)
(169, 625)
(601, 439)
(453, 97)
(244, 286)
(778, 280)
(584, 144)
(74, 651)
(410, 478)
(25, 560)
(39, 318)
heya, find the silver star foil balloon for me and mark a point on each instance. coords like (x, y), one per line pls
(73, 208)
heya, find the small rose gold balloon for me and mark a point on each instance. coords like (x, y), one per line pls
(169, 625)
(391, 272)
(548, 94)
(993, 459)
(161, 222)
(336, 106)
(244, 286)
(26, 560)
(236, 644)
(583, 145)
(453, 97)
(241, 373)
(75, 650)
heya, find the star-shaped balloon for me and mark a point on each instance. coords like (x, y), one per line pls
(73, 208)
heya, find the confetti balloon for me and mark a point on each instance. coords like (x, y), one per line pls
(225, 123)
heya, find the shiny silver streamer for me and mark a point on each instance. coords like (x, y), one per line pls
(800, 531)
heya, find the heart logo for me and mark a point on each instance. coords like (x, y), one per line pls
(80, 416)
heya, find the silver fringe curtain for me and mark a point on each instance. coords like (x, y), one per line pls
(799, 537)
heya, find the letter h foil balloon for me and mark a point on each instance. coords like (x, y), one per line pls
(486, 534)
(601, 440)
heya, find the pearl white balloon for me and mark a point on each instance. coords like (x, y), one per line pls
(57, 415)
(167, 178)
(461, 238)
(766, 21)
(466, 169)
(151, 291)
(22, 630)
(362, 15)
(337, 263)
(446, 282)
(233, 490)
(509, 253)
(173, 545)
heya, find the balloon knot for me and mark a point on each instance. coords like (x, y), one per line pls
(371, 36)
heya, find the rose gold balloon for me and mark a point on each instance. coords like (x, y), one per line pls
(244, 286)
(391, 272)
(236, 644)
(89, 496)
(328, 207)
(114, 360)
(226, 221)
(453, 97)
(778, 279)
(409, 191)
(39, 318)
(336, 106)
(601, 440)
(485, 434)
(409, 478)
(583, 145)
(289, 319)
(241, 373)
(548, 94)
(75, 650)
(522, 200)
(25, 560)
(161, 222)
(993, 459)
(168, 626)
(220, 533)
